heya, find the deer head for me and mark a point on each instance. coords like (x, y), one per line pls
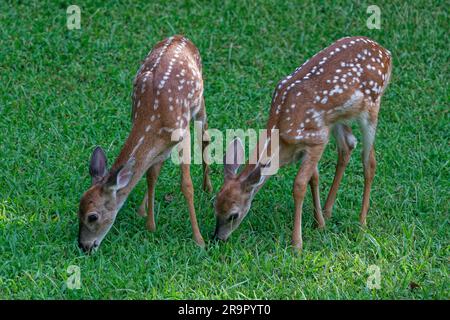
(234, 199)
(99, 204)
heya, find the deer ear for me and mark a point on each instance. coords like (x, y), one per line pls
(254, 178)
(119, 178)
(97, 166)
(233, 158)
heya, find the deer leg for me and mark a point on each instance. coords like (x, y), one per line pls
(368, 128)
(314, 185)
(188, 191)
(204, 140)
(345, 142)
(149, 199)
(207, 186)
(369, 164)
(306, 171)
(142, 211)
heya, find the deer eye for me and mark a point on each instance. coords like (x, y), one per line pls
(92, 217)
(233, 216)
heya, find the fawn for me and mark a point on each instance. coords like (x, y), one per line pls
(167, 94)
(343, 82)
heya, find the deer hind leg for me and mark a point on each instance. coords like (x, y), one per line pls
(346, 142)
(188, 190)
(368, 123)
(204, 140)
(306, 171)
(149, 199)
(314, 185)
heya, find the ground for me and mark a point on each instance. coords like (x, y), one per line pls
(65, 91)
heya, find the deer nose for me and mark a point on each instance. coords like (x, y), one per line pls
(84, 247)
(215, 236)
(87, 247)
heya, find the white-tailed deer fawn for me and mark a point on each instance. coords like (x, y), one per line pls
(167, 94)
(340, 83)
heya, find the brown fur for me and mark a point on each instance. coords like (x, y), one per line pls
(167, 94)
(309, 104)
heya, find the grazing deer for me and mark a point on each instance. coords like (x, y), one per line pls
(340, 83)
(167, 94)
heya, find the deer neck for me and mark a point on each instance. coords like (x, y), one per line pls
(145, 149)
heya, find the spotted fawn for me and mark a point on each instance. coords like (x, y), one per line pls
(167, 94)
(343, 82)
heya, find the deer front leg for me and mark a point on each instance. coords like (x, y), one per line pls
(149, 199)
(306, 171)
(142, 211)
(345, 142)
(314, 185)
(188, 191)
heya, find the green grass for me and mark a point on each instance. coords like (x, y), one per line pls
(63, 92)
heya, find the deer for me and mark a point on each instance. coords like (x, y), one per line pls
(341, 83)
(167, 94)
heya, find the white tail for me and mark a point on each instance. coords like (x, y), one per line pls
(343, 82)
(168, 93)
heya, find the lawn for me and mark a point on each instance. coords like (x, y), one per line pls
(65, 91)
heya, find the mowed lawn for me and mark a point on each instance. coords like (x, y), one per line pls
(65, 91)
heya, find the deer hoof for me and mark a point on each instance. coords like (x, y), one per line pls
(151, 226)
(320, 225)
(199, 241)
(363, 223)
(297, 246)
(327, 213)
(141, 212)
